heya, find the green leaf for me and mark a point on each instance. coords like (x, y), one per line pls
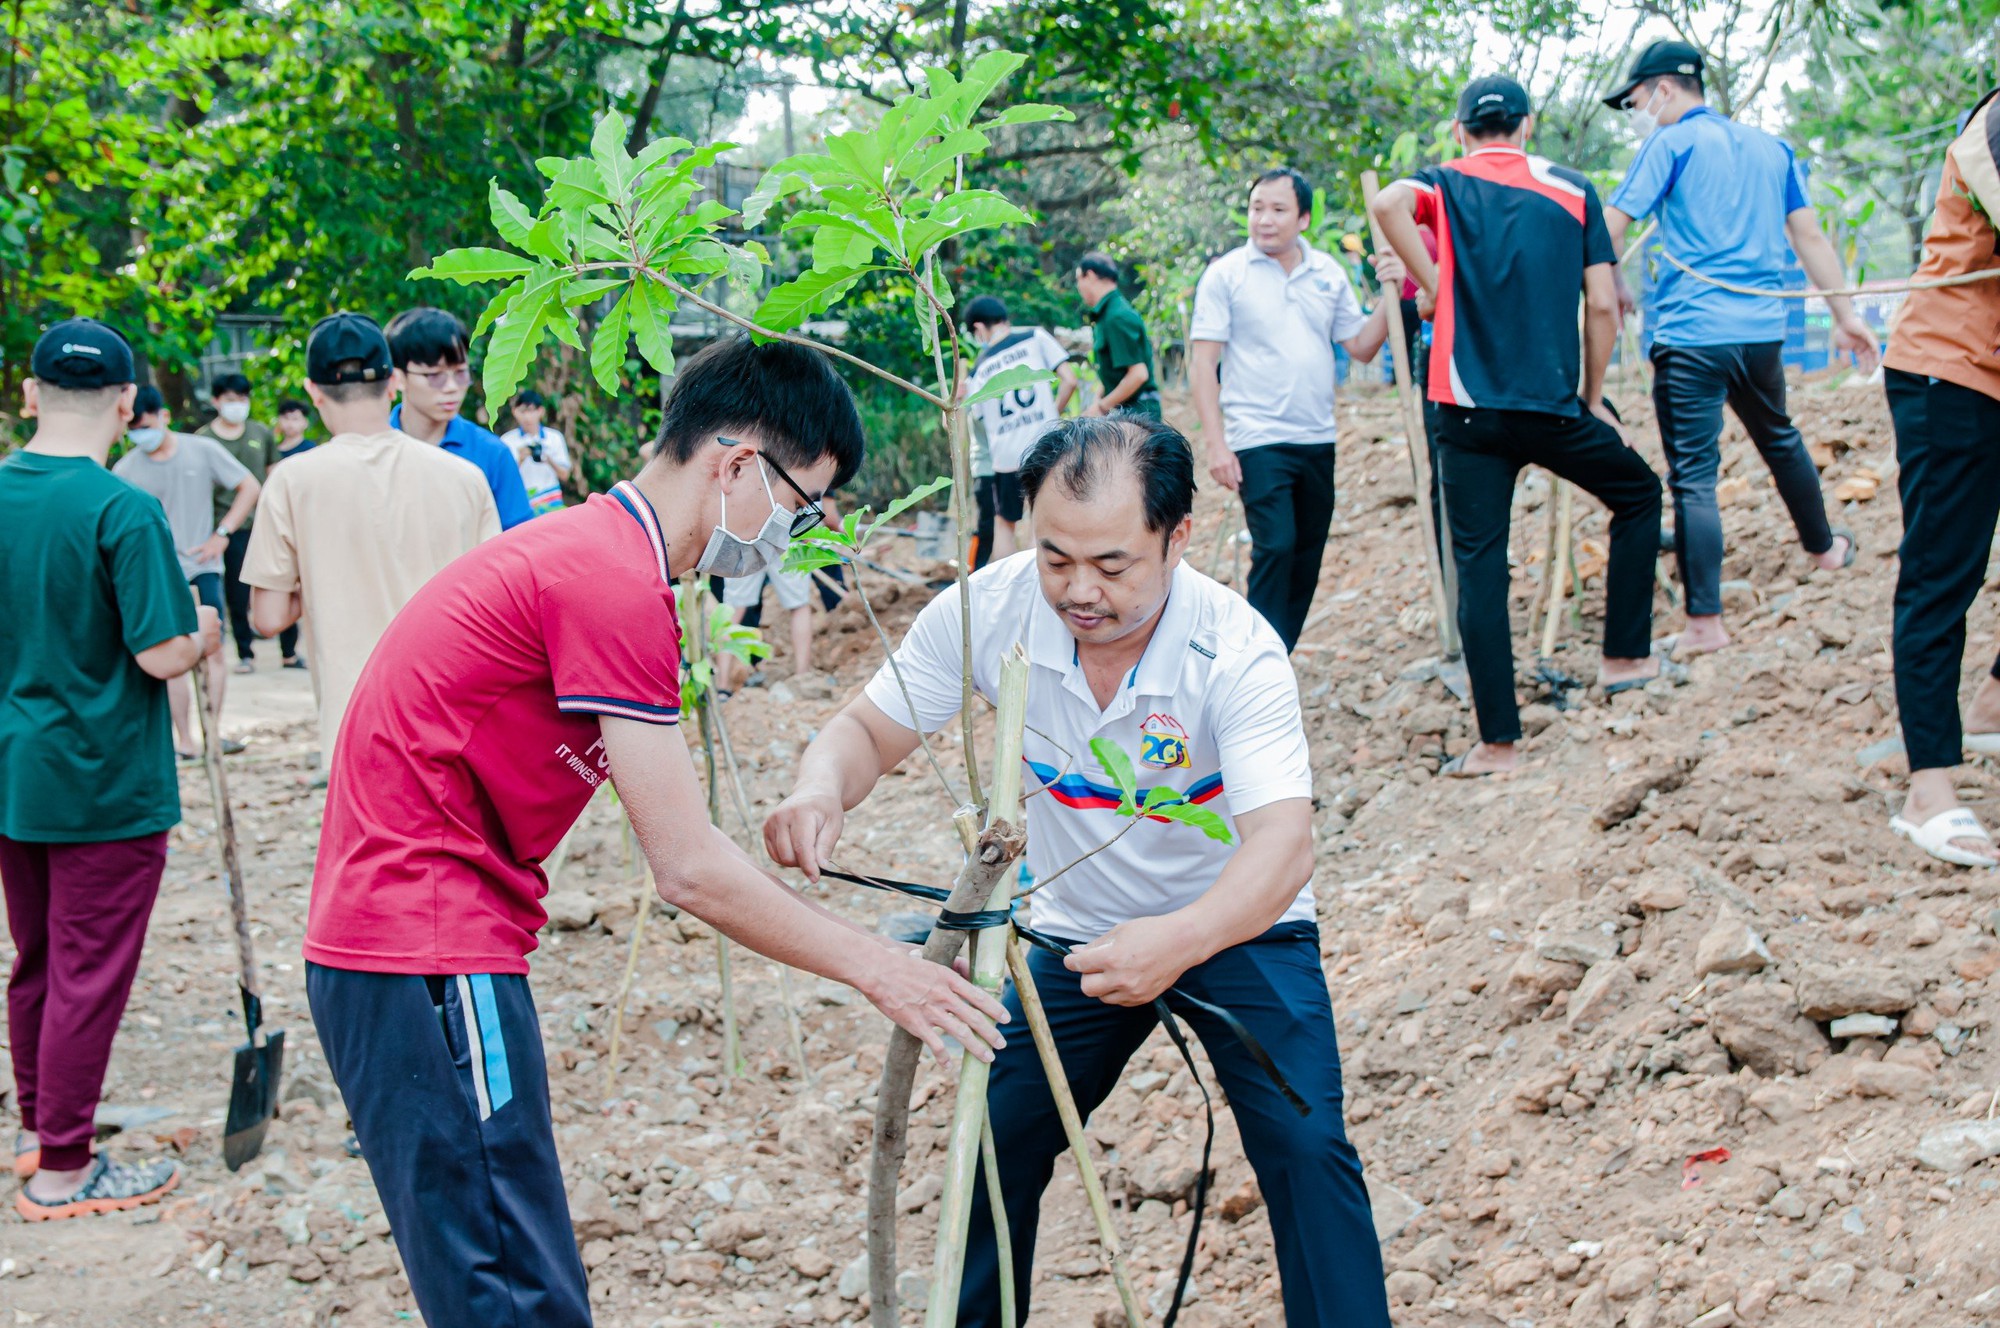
(775, 185)
(652, 313)
(466, 266)
(656, 152)
(614, 163)
(1119, 766)
(510, 215)
(745, 269)
(607, 346)
(1028, 113)
(804, 556)
(497, 306)
(551, 166)
(1201, 818)
(811, 292)
(583, 290)
(1160, 796)
(909, 500)
(1009, 380)
(988, 72)
(545, 240)
(836, 247)
(976, 209)
(519, 332)
(580, 185)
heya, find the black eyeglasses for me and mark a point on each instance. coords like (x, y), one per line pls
(809, 513)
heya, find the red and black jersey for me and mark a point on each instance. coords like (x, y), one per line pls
(1514, 235)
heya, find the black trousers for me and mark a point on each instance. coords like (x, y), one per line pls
(1482, 452)
(1690, 385)
(1288, 504)
(238, 596)
(1948, 448)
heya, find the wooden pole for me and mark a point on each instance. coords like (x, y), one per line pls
(1003, 1237)
(989, 963)
(1443, 602)
(1558, 570)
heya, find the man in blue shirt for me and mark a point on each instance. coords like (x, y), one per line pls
(428, 345)
(1730, 200)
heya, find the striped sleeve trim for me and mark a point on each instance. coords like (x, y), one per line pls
(622, 709)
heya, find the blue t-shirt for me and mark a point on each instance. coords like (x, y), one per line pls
(495, 460)
(1722, 191)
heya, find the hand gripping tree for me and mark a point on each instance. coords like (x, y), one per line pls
(617, 242)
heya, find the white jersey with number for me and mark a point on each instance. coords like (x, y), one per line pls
(1016, 419)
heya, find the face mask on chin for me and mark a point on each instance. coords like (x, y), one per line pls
(147, 440)
(729, 555)
(234, 412)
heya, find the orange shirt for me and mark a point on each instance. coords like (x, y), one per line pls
(1953, 333)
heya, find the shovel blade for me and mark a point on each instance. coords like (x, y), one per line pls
(253, 1098)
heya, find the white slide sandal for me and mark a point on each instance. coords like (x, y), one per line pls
(1983, 744)
(1935, 835)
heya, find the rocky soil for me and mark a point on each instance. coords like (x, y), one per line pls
(1666, 1029)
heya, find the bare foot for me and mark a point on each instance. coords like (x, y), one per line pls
(1702, 636)
(1932, 794)
(1486, 758)
(1612, 671)
(1836, 557)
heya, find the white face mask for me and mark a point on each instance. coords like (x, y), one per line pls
(730, 555)
(147, 440)
(1643, 119)
(235, 412)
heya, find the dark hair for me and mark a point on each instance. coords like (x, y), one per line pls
(147, 400)
(1685, 82)
(528, 396)
(1099, 265)
(425, 336)
(1494, 126)
(291, 406)
(986, 309)
(229, 382)
(355, 389)
(1301, 187)
(1079, 455)
(788, 396)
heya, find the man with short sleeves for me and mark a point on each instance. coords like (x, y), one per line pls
(1519, 239)
(518, 680)
(1118, 342)
(1129, 644)
(1013, 420)
(350, 530)
(97, 616)
(1731, 203)
(252, 443)
(1267, 316)
(186, 472)
(429, 347)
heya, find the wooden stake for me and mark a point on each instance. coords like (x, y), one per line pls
(1443, 603)
(647, 892)
(1559, 562)
(1003, 1237)
(989, 962)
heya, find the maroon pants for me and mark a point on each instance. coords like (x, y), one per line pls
(78, 915)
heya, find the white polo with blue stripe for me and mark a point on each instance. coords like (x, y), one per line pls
(1211, 710)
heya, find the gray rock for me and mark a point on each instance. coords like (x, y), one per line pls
(1829, 1283)
(569, 908)
(912, 1288)
(1862, 1025)
(1788, 1203)
(1984, 1305)
(1730, 946)
(1393, 1210)
(1826, 991)
(1952, 1148)
(1575, 932)
(1410, 1288)
(1433, 1256)
(1761, 1025)
(854, 1278)
(1629, 1277)
(1604, 989)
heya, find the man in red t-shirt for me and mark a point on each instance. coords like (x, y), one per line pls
(515, 682)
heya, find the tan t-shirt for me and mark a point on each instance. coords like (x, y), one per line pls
(356, 526)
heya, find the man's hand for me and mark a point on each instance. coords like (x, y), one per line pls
(1133, 962)
(1628, 303)
(1097, 407)
(210, 549)
(1603, 412)
(208, 629)
(929, 1001)
(1224, 467)
(803, 830)
(1389, 270)
(1855, 337)
(1427, 304)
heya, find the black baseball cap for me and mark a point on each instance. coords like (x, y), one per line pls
(80, 354)
(1492, 98)
(1662, 57)
(339, 338)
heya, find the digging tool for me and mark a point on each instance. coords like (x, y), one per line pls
(253, 1089)
(1443, 595)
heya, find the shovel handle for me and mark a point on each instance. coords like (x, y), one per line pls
(225, 824)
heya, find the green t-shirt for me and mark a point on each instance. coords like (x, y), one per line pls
(88, 578)
(257, 449)
(1119, 341)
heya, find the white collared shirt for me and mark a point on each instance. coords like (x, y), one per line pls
(1278, 330)
(1211, 710)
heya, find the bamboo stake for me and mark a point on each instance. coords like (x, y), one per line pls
(989, 962)
(696, 639)
(1541, 597)
(1003, 1237)
(1559, 564)
(647, 891)
(1442, 602)
(1072, 1123)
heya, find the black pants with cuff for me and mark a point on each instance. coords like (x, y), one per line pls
(1690, 385)
(1481, 453)
(1948, 448)
(1287, 494)
(238, 596)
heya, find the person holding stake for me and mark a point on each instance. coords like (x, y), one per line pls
(1731, 203)
(517, 681)
(1519, 240)
(1267, 316)
(1128, 643)
(1943, 380)
(98, 618)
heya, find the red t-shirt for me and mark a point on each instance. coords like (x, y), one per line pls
(472, 742)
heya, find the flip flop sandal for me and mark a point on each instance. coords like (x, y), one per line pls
(1935, 835)
(111, 1187)
(27, 1159)
(1455, 769)
(1853, 546)
(293, 664)
(1983, 744)
(1672, 673)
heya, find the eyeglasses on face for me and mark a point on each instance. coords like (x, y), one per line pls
(809, 514)
(442, 378)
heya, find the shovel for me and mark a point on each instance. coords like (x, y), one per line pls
(253, 1091)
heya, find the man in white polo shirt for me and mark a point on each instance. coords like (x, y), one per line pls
(1266, 316)
(1128, 643)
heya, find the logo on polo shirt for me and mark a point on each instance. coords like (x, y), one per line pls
(1163, 743)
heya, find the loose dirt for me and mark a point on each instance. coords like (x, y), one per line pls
(1684, 927)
